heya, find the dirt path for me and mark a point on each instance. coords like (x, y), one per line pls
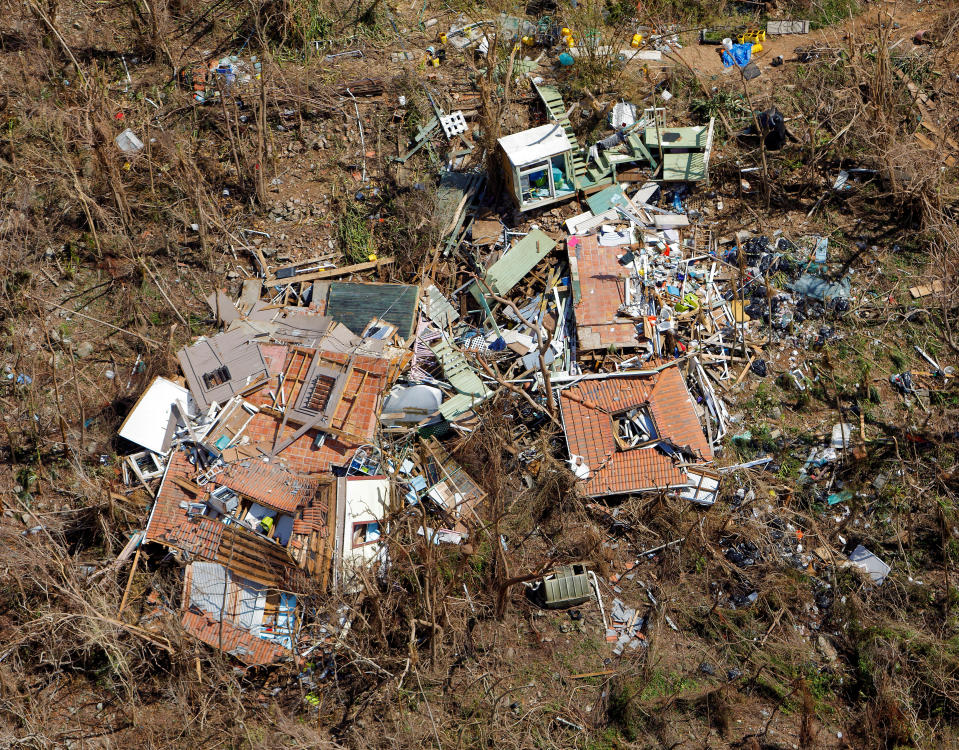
(704, 58)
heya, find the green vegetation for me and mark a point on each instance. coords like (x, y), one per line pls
(354, 232)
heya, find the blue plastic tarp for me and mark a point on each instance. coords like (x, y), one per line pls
(818, 288)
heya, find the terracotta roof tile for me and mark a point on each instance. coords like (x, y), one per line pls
(356, 413)
(602, 292)
(267, 483)
(673, 410)
(170, 523)
(245, 646)
(588, 410)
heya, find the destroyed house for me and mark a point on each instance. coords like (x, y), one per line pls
(317, 406)
(220, 518)
(219, 367)
(631, 433)
(300, 328)
(513, 265)
(245, 619)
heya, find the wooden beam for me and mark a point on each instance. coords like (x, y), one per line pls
(342, 434)
(584, 675)
(331, 273)
(133, 569)
(187, 486)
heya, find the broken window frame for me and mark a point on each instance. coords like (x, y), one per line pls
(357, 524)
(134, 468)
(543, 165)
(216, 377)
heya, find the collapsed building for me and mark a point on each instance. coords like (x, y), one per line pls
(321, 409)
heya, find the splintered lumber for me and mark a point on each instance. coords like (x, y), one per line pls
(331, 273)
(188, 486)
(360, 87)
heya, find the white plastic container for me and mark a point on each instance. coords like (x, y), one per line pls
(128, 142)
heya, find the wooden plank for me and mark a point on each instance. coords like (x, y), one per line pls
(928, 144)
(584, 675)
(187, 486)
(133, 569)
(936, 131)
(332, 273)
(249, 295)
(342, 434)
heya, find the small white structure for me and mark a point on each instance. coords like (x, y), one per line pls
(362, 504)
(539, 163)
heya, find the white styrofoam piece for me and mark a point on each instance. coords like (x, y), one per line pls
(647, 191)
(573, 221)
(671, 221)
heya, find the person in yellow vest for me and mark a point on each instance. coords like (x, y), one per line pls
(266, 525)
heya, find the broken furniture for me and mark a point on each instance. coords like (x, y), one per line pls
(685, 151)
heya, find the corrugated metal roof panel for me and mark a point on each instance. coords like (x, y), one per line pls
(355, 304)
(225, 595)
(505, 273)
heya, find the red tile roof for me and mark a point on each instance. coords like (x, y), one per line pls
(588, 409)
(675, 415)
(275, 356)
(300, 456)
(355, 415)
(170, 524)
(268, 483)
(242, 644)
(602, 292)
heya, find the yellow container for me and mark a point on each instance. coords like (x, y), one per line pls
(566, 32)
(752, 36)
(435, 62)
(637, 40)
(570, 41)
(757, 48)
(442, 38)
